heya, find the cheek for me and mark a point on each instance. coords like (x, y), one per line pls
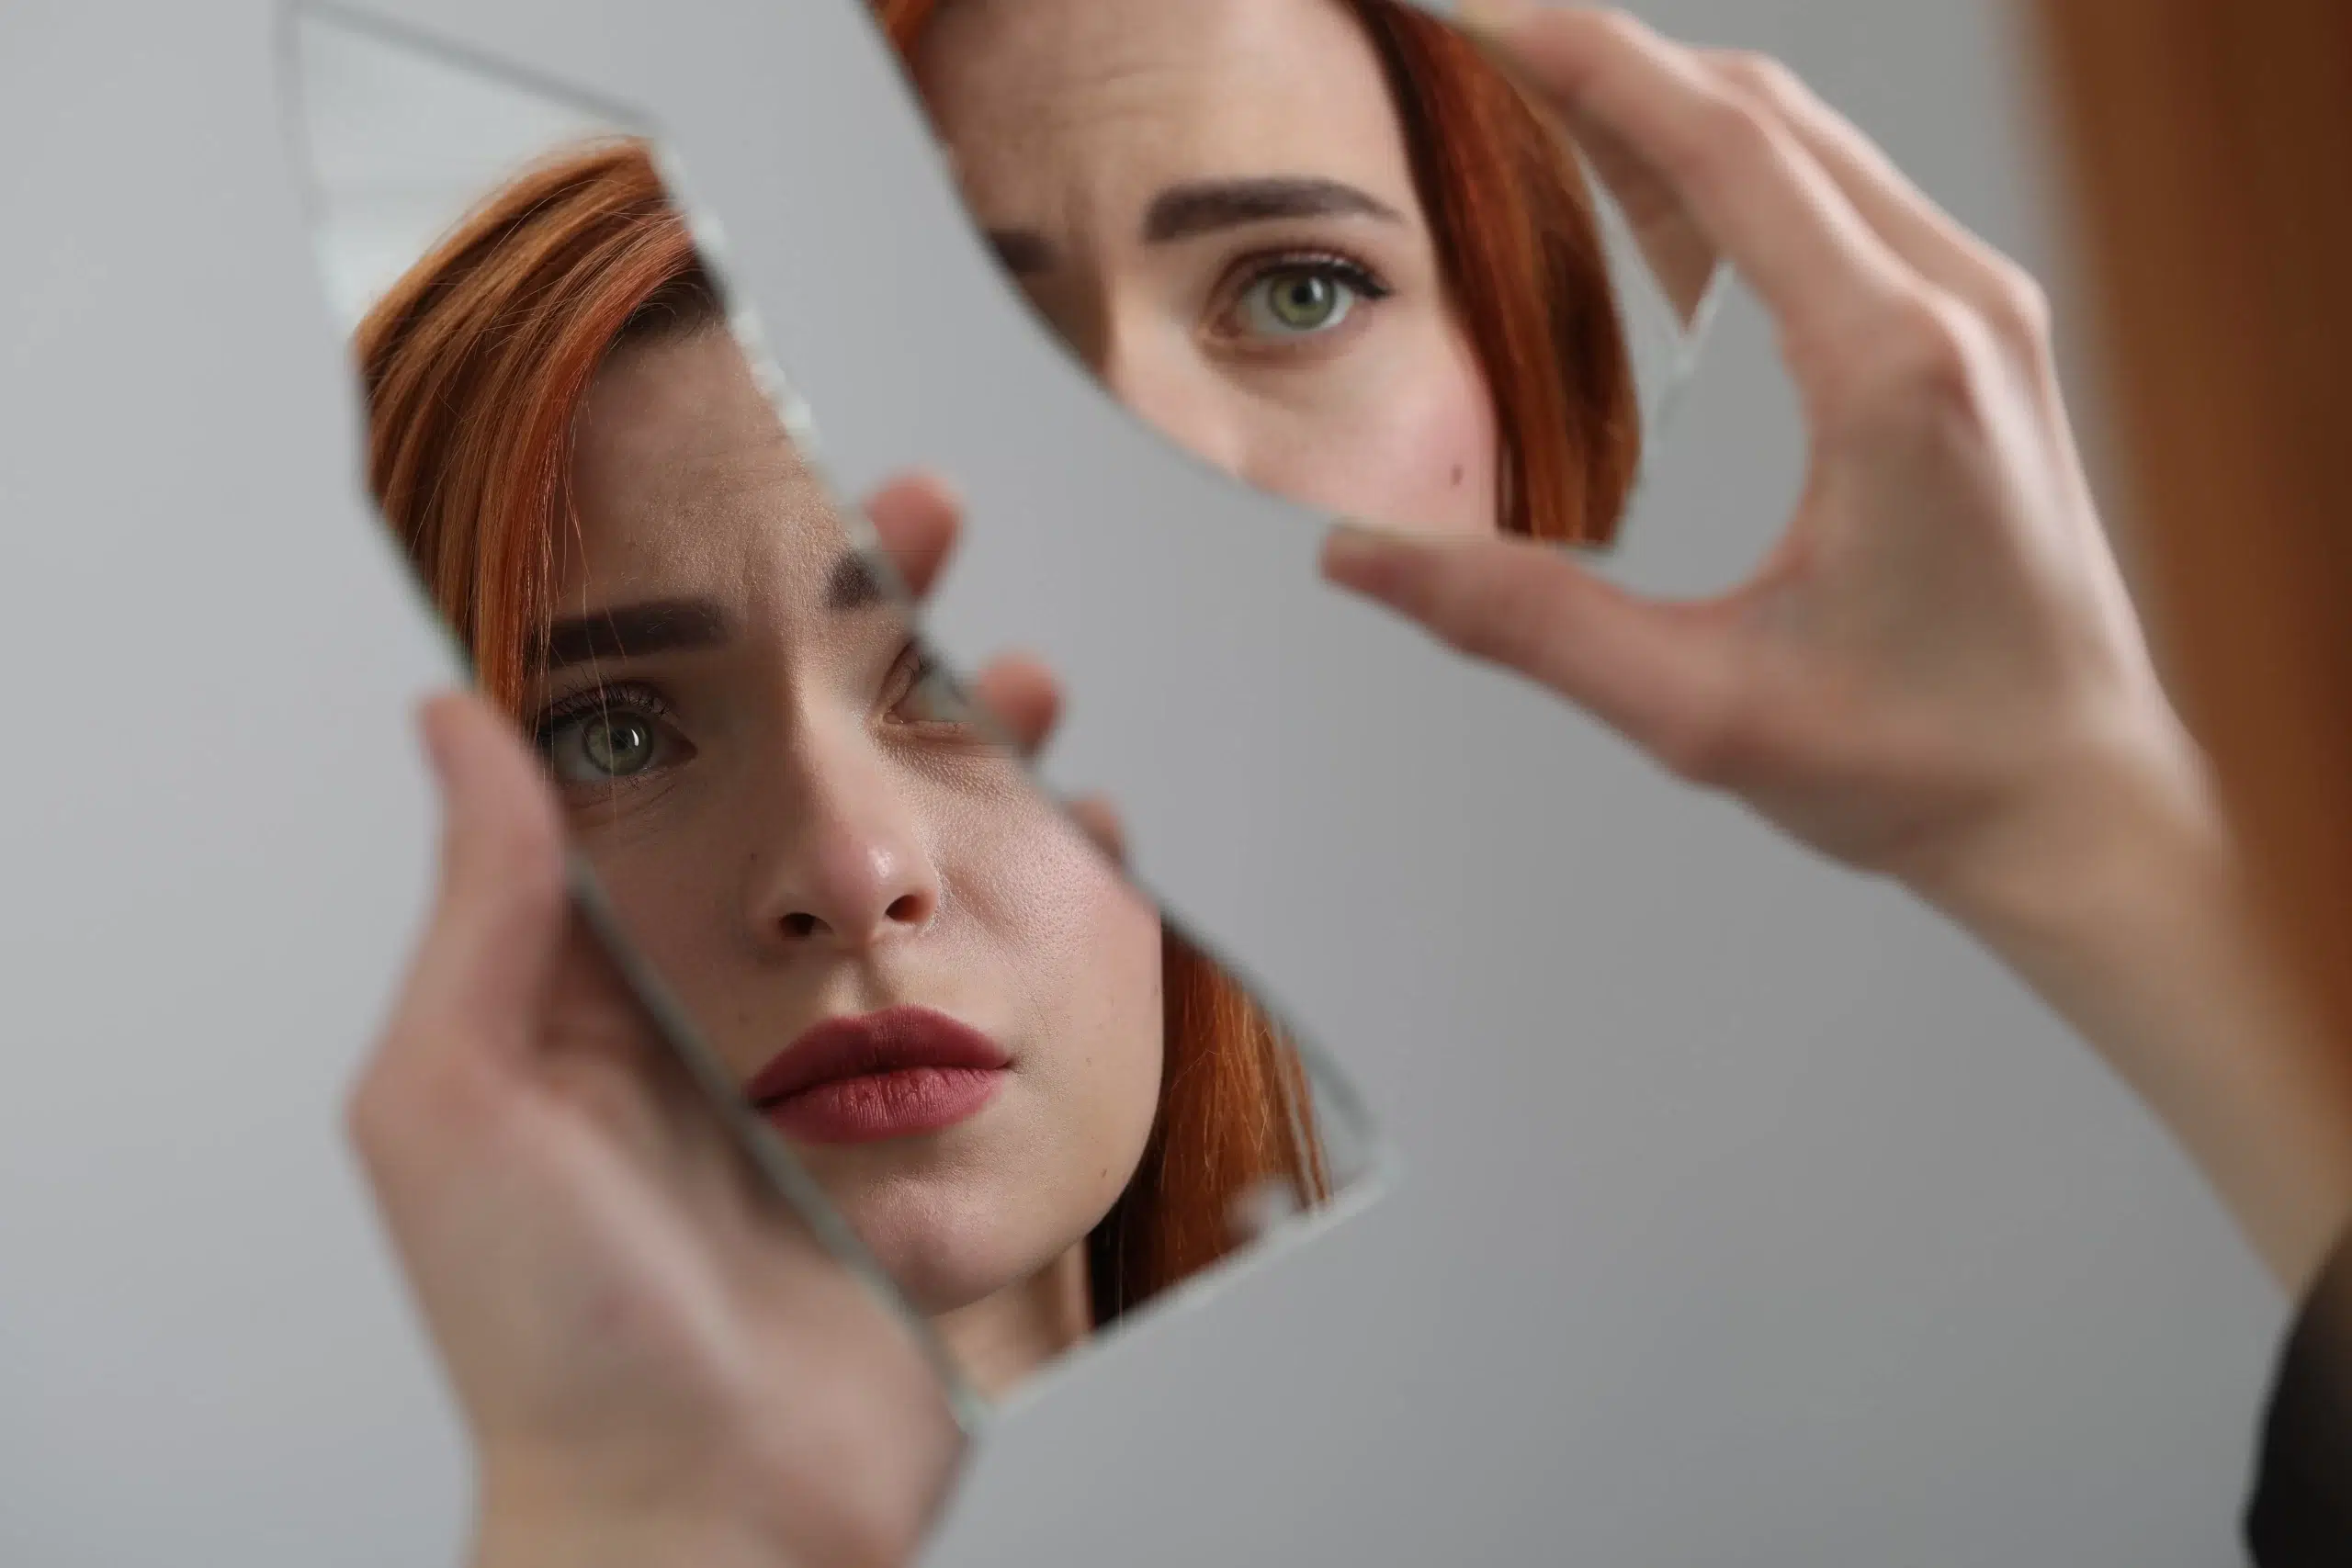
(1401, 432)
(675, 886)
(1119, 1052)
(1082, 947)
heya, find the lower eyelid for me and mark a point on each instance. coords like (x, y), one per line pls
(1248, 344)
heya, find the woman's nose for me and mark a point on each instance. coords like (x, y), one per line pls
(869, 895)
(855, 875)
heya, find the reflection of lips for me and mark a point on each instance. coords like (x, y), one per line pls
(882, 1075)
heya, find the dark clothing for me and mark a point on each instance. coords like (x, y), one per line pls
(2301, 1513)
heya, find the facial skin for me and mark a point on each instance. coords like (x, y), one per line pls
(1212, 203)
(795, 826)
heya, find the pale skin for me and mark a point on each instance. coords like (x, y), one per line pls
(1937, 677)
(1234, 246)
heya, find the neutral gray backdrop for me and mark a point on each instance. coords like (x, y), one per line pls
(1751, 1216)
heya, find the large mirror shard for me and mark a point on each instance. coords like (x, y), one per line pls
(1333, 248)
(976, 1060)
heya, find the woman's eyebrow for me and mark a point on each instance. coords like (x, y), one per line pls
(1203, 207)
(634, 631)
(851, 585)
(1186, 211)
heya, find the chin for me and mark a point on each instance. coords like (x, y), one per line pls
(950, 1243)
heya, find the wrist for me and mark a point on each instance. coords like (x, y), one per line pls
(2105, 832)
(2119, 895)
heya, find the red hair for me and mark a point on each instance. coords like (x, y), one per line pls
(1512, 218)
(475, 366)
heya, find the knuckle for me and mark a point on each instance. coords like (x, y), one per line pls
(2019, 307)
(1704, 743)
(1620, 29)
(1729, 135)
(1924, 366)
(1473, 631)
(1760, 77)
(1736, 127)
(1497, 627)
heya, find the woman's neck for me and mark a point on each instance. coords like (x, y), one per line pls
(1001, 1339)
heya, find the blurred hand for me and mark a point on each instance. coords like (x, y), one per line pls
(1940, 651)
(1937, 673)
(656, 1360)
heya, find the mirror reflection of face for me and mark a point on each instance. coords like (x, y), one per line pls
(1213, 203)
(818, 853)
(1037, 1107)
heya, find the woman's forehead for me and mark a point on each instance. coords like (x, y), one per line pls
(681, 476)
(1156, 88)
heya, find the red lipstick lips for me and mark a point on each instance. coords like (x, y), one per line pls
(892, 1073)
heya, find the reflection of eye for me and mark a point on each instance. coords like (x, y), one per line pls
(930, 694)
(609, 735)
(1302, 296)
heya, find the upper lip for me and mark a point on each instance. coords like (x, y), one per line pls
(894, 1040)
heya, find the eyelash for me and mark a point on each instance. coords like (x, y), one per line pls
(626, 695)
(1253, 270)
(922, 669)
(619, 698)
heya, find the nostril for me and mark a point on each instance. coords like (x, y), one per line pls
(800, 924)
(907, 909)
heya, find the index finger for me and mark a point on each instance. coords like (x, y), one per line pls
(1775, 212)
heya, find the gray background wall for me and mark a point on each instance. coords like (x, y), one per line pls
(1751, 1215)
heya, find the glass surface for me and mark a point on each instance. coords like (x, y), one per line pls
(981, 1065)
(1333, 248)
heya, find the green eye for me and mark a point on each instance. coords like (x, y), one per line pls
(608, 737)
(1305, 301)
(1303, 298)
(617, 745)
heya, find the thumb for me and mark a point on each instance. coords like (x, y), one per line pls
(1655, 672)
(500, 918)
(916, 517)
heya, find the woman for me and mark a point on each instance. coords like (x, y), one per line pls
(1936, 676)
(1036, 1109)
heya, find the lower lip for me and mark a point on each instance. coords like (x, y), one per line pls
(878, 1106)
